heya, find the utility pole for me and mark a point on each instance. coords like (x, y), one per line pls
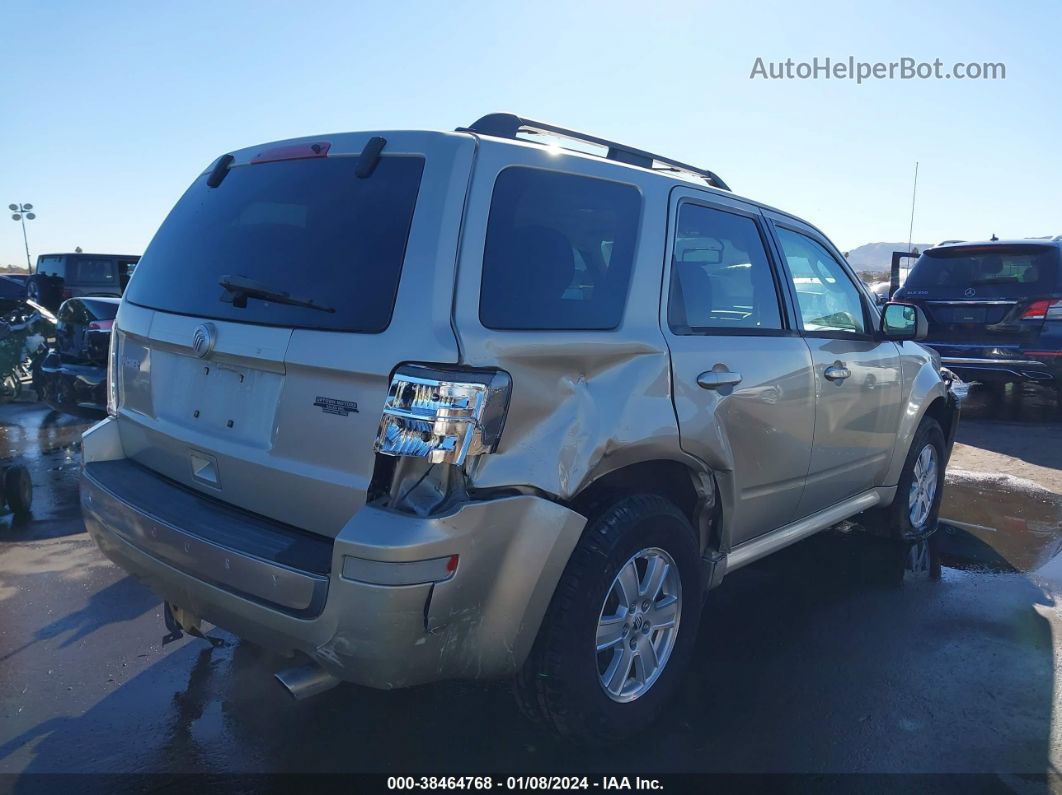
(914, 193)
(21, 212)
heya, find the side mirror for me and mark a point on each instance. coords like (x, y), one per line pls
(903, 322)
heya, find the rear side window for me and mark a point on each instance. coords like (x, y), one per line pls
(93, 271)
(308, 228)
(720, 275)
(1001, 271)
(558, 252)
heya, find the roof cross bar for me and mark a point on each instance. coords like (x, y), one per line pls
(509, 125)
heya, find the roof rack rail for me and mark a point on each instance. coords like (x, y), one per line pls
(509, 125)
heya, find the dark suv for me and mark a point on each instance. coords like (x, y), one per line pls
(62, 276)
(994, 308)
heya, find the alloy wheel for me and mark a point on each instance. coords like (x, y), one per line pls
(638, 624)
(923, 487)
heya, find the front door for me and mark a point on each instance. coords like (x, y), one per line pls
(859, 392)
(743, 388)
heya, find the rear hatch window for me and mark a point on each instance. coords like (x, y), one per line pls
(101, 310)
(984, 272)
(308, 228)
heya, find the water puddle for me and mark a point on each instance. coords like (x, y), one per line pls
(999, 522)
(49, 445)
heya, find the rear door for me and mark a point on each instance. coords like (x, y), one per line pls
(857, 380)
(743, 382)
(268, 402)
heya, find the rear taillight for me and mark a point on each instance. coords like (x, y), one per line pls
(100, 325)
(1045, 309)
(112, 375)
(441, 415)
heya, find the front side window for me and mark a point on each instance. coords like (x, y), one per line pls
(558, 252)
(720, 275)
(827, 299)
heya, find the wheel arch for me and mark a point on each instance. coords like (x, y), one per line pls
(928, 396)
(692, 489)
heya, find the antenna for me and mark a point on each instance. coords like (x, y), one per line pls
(914, 193)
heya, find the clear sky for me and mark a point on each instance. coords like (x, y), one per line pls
(109, 109)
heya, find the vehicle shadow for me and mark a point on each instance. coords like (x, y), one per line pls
(1014, 402)
(117, 603)
(1020, 421)
(816, 660)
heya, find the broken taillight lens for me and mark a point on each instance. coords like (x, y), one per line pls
(441, 415)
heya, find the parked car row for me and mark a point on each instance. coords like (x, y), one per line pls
(76, 297)
(73, 375)
(58, 277)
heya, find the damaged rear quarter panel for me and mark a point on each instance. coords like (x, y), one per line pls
(583, 402)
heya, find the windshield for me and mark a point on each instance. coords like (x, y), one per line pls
(309, 228)
(1001, 271)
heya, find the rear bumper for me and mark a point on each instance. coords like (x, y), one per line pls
(996, 370)
(244, 575)
(1006, 363)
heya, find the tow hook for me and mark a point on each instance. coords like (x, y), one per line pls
(178, 621)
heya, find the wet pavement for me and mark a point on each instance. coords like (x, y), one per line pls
(825, 658)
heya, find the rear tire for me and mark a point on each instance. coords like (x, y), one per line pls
(612, 650)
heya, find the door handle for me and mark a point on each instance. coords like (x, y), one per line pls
(837, 372)
(715, 379)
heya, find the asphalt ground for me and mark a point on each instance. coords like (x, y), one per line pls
(825, 658)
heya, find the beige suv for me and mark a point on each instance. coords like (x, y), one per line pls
(413, 406)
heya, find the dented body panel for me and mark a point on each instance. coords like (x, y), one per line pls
(478, 624)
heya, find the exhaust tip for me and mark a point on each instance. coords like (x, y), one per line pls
(305, 681)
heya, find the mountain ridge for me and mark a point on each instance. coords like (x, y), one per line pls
(878, 256)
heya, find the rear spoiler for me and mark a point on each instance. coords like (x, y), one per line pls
(894, 272)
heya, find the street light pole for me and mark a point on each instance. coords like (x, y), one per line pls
(21, 212)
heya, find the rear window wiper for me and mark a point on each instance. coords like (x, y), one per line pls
(239, 288)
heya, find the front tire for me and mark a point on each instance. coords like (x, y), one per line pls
(915, 510)
(619, 632)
